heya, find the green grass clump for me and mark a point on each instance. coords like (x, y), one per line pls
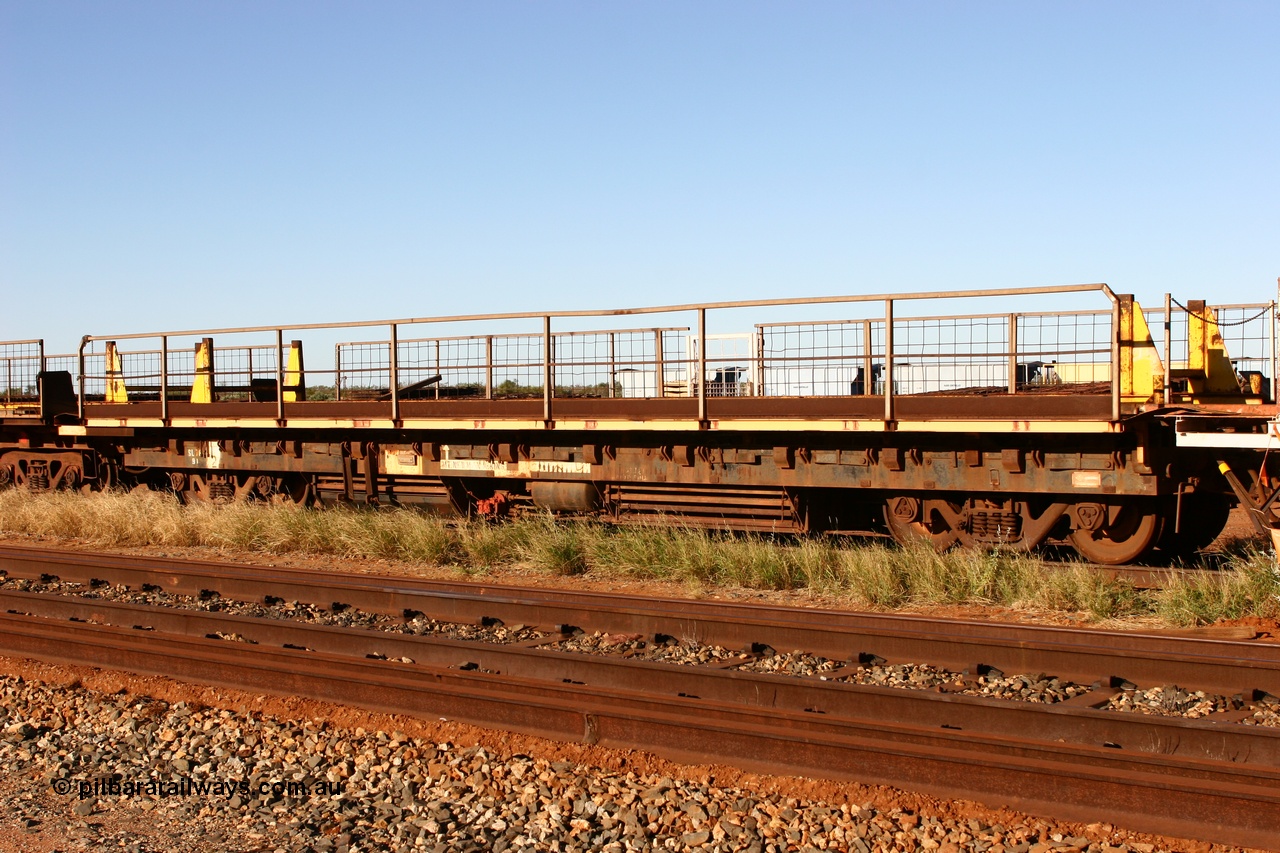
(1249, 587)
(863, 573)
(557, 548)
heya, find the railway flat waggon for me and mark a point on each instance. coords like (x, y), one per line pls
(970, 418)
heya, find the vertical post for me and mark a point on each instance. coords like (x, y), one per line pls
(337, 372)
(547, 387)
(1013, 355)
(164, 379)
(888, 361)
(868, 367)
(613, 361)
(1273, 350)
(702, 368)
(759, 377)
(80, 353)
(1168, 348)
(40, 344)
(488, 367)
(660, 380)
(250, 382)
(394, 367)
(279, 375)
(1115, 360)
(437, 370)
(371, 452)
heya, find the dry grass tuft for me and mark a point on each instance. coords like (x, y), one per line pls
(865, 574)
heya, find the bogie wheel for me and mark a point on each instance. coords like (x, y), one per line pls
(289, 490)
(913, 522)
(1115, 534)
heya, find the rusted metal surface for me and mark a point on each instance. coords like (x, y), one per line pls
(1077, 723)
(903, 391)
(1065, 406)
(658, 309)
(1083, 655)
(1197, 798)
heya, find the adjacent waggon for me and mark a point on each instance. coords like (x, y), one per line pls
(977, 418)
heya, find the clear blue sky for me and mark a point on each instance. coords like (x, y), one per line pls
(176, 165)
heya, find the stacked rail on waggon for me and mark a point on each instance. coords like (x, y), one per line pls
(976, 418)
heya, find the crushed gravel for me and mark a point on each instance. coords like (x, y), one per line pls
(1167, 700)
(96, 770)
(276, 608)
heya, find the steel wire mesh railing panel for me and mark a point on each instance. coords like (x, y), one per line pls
(181, 369)
(602, 363)
(503, 365)
(1067, 348)
(517, 365)
(95, 369)
(650, 363)
(675, 369)
(140, 371)
(236, 368)
(461, 364)
(998, 352)
(363, 370)
(19, 370)
(820, 359)
(586, 363)
(950, 354)
(1246, 333)
(730, 364)
(936, 354)
(632, 367)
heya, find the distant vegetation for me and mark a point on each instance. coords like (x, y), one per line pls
(859, 573)
(508, 388)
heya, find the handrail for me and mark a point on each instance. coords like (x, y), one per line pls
(890, 354)
(622, 312)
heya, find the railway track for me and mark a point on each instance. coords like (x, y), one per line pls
(1211, 779)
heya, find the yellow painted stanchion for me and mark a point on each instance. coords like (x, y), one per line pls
(202, 383)
(116, 392)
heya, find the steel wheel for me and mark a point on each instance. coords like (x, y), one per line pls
(1115, 534)
(289, 490)
(913, 522)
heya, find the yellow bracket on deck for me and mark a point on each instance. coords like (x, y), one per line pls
(202, 383)
(116, 392)
(1140, 363)
(1208, 373)
(294, 383)
(1209, 369)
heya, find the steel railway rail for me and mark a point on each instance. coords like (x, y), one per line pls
(1089, 656)
(979, 423)
(1207, 780)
